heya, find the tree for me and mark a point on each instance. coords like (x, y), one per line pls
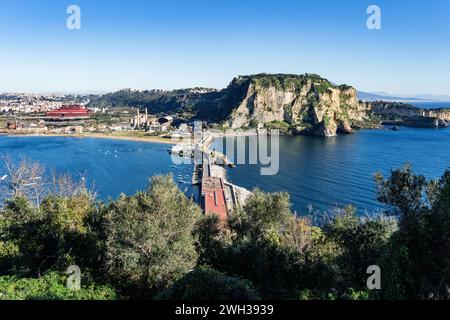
(417, 260)
(21, 237)
(263, 215)
(361, 241)
(70, 232)
(404, 192)
(22, 179)
(265, 249)
(213, 239)
(438, 246)
(298, 235)
(205, 283)
(149, 238)
(49, 229)
(55, 235)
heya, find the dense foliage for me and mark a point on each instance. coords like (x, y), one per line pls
(157, 244)
(51, 286)
(417, 258)
(209, 284)
(149, 242)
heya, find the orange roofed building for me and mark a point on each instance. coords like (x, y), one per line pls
(214, 197)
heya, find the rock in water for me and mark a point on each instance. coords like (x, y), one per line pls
(423, 122)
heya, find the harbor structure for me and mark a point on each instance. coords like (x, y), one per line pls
(217, 196)
(213, 196)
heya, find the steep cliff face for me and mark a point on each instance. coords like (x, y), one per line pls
(442, 114)
(307, 103)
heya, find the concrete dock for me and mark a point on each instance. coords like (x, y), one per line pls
(217, 196)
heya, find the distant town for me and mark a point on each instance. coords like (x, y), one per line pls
(69, 114)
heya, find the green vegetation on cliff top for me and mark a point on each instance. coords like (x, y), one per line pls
(288, 82)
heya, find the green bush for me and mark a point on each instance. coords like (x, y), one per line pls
(361, 242)
(417, 259)
(149, 238)
(54, 235)
(282, 126)
(205, 283)
(50, 287)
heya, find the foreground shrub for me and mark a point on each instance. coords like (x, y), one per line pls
(52, 236)
(205, 283)
(417, 261)
(149, 238)
(50, 287)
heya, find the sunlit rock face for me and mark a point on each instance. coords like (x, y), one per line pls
(308, 103)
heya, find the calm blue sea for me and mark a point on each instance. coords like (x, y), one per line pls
(431, 105)
(315, 171)
(339, 170)
(110, 166)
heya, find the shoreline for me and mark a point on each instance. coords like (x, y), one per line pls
(150, 139)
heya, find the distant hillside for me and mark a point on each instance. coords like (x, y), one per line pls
(367, 96)
(161, 102)
(380, 96)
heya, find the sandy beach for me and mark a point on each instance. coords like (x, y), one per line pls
(148, 139)
(123, 135)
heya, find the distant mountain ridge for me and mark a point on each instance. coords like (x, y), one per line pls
(368, 96)
(381, 96)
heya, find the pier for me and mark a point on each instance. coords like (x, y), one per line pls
(217, 195)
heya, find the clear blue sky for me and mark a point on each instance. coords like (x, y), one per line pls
(183, 43)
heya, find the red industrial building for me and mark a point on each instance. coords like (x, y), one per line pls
(68, 115)
(72, 111)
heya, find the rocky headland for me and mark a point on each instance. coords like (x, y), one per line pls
(294, 104)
